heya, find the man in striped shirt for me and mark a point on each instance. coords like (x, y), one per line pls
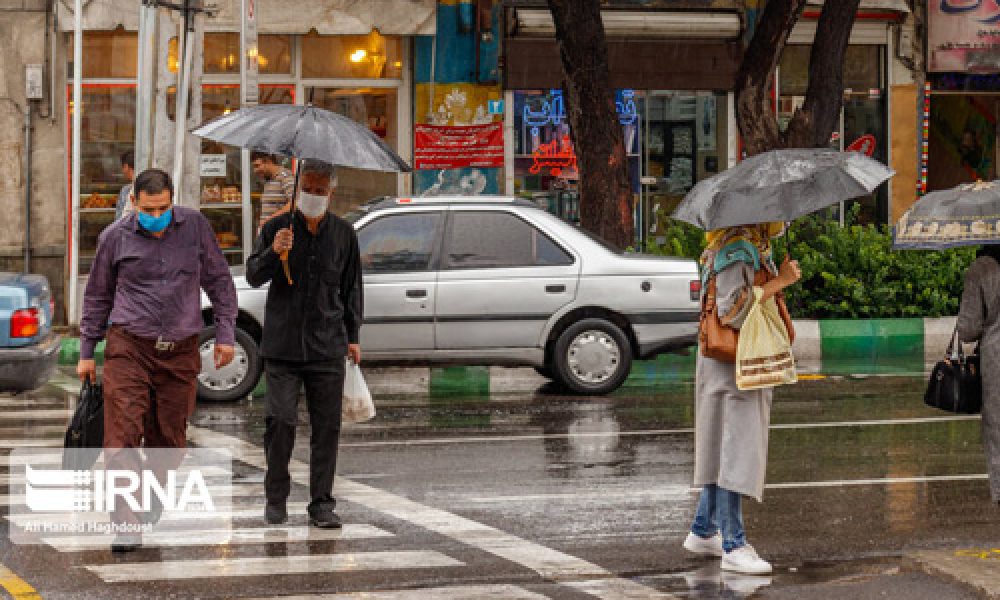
(278, 184)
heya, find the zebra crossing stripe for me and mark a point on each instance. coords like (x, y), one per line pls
(227, 537)
(31, 443)
(547, 562)
(36, 414)
(272, 565)
(87, 517)
(455, 592)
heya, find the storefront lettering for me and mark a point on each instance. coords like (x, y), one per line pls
(555, 155)
(553, 112)
(957, 7)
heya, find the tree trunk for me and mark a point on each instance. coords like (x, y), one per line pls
(813, 124)
(755, 116)
(605, 192)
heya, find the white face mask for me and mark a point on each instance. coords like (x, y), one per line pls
(311, 205)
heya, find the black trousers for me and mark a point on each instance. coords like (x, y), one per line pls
(324, 386)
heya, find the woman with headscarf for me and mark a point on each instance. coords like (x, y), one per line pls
(731, 426)
(979, 321)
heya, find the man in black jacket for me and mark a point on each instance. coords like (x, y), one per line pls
(309, 327)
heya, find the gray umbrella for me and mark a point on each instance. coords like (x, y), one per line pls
(304, 132)
(781, 185)
(967, 215)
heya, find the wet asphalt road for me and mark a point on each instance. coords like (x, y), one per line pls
(539, 495)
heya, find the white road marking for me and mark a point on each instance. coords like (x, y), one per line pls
(36, 415)
(252, 535)
(547, 562)
(456, 592)
(32, 402)
(272, 565)
(677, 491)
(487, 439)
(32, 443)
(882, 481)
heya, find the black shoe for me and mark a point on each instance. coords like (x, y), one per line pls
(324, 518)
(275, 514)
(123, 544)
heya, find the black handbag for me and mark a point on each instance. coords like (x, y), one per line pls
(956, 384)
(85, 434)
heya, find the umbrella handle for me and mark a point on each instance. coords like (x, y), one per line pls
(285, 267)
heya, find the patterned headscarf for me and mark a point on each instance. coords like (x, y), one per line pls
(759, 235)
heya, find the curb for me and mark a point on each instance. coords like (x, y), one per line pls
(973, 569)
(830, 346)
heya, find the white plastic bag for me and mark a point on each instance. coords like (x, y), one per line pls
(764, 353)
(357, 405)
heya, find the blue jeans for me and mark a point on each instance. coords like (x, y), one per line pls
(719, 508)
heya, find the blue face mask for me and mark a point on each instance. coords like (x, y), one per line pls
(155, 224)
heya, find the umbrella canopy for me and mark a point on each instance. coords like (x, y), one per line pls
(781, 185)
(967, 215)
(304, 132)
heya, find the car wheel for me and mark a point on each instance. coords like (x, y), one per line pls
(592, 357)
(235, 380)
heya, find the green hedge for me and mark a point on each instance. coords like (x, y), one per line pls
(852, 272)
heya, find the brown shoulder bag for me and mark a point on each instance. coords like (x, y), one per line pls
(719, 341)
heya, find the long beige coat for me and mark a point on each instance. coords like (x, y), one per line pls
(731, 426)
(979, 321)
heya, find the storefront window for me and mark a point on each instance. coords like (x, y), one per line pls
(222, 53)
(371, 56)
(963, 139)
(377, 109)
(106, 55)
(108, 131)
(864, 112)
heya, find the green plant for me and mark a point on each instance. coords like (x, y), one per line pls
(852, 272)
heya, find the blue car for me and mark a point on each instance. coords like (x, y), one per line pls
(29, 350)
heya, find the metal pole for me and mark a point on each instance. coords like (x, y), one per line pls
(145, 87)
(27, 187)
(183, 88)
(74, 257)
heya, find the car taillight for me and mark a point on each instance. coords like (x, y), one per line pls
(695, 290)
(24, 323)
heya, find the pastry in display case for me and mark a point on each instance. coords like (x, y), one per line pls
(211, 194)
(231, 195)
(227, 239)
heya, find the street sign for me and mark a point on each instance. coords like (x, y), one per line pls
(496, 107)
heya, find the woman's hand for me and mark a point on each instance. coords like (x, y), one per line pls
(789, 273)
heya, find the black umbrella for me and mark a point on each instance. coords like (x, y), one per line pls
(85, 434)
(304, 133)
(781, 185)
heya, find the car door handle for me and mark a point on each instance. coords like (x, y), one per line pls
(555, 289)
(416, 293)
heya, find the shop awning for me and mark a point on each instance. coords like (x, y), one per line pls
(537, 22)
(330, 17)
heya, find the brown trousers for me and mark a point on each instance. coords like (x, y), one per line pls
(148, 396)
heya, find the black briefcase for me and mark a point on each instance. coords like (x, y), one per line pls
(85, 434)
(956, 384)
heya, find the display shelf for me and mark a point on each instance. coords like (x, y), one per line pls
(97, 210)
(223, 205)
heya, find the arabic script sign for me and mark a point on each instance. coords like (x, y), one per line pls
(556, 156)
(964, 36)
(457, 147)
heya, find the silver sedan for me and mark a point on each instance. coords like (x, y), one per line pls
(492, 281)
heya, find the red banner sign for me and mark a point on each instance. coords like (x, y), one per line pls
(456, 147)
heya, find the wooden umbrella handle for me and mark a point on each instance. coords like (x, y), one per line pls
(287, 269)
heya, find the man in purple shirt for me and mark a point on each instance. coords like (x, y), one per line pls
(146, 277)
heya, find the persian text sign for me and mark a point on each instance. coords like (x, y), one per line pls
(457, 147)
(964, 36)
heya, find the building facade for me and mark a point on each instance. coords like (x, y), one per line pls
(466, 90)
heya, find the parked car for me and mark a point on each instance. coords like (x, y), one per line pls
(492, 281)
(29, 350)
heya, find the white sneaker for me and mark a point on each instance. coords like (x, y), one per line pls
(706, 546)
(745, 560)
